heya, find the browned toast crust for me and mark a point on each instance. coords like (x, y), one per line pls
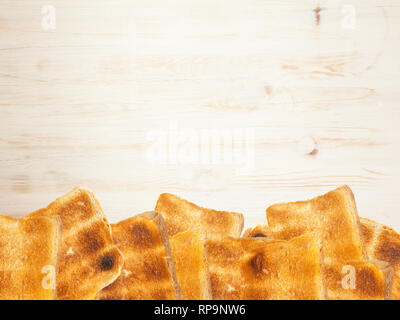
(181, 215)
(383, 243)
(89, 260)
(372, 279)
(331, 216)
(148, 272)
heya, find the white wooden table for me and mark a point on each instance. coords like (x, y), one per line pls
(88, 103)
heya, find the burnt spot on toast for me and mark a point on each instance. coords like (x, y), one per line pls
(106, 262)
(256, 263)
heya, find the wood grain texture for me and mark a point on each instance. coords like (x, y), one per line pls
(77, 103)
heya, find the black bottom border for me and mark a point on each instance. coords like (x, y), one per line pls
(198, 309)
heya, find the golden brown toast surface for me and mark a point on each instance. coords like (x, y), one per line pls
(29, 257)
(372, 280)
(357, 280)
(190, 257)
(148, 272)
(246, 268)
(224, 254)
(332, 216)
(89, 260)
(181, 215)
(383, 243)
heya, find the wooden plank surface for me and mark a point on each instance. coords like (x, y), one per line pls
(90, 102)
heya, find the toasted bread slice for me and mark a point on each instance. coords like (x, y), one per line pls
(332, 216)
(29, 257)
(89, 259)
(190, 257)
(224, 254)
(357, 280)
(372, 280)
(383, 243)
(257, 269)
(148, 272)
(181, 215)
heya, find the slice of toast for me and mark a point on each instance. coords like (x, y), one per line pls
(148, 272)
(190, 257)
(89, 260)
(357, 280)
(29, 257)
(332, 216)
(372, 280)
(181, 215)
(258, 269)
(383, 243)
(224, 254)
